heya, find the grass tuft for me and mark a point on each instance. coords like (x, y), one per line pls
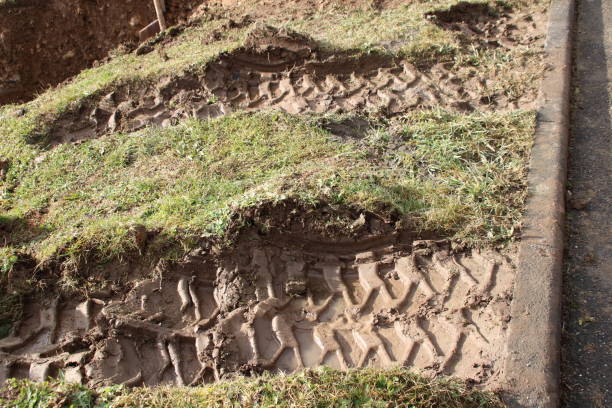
(323, 387)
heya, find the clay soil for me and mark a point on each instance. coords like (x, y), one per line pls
(43, 42)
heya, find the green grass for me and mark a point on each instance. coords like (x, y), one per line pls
(460, 175)
(314, 388)
(8, 3)
(28, 123)
(404, 32)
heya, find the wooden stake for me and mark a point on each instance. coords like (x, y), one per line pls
(159, 10)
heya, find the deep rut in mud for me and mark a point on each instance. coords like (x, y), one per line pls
(274, 306)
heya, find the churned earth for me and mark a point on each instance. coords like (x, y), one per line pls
(279, 306)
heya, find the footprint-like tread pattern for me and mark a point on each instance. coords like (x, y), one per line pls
(422, 306)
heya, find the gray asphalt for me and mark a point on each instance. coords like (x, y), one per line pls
(587, 327)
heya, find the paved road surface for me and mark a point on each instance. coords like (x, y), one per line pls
(587, 334)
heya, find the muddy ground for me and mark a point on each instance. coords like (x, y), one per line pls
(278, 304)
(283, 70)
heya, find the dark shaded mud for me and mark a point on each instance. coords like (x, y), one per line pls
(587, 323)
(279, 305)
(490, 26)
(44, 42)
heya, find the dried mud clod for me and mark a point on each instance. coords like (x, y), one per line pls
(282, 307)
(234, 288)
(263, 39)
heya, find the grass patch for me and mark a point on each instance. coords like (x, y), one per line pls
(9, 3)
(26, 124)
(460, 174)
(407, 33)
(314, 388)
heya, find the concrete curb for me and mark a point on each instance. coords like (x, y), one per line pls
(532, 367)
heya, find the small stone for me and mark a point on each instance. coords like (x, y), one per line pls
(580, 201)
(144, 49)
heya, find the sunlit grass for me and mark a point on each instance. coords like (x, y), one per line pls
(462, 175)
(395, 387)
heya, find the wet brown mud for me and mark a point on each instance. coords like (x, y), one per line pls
(285, 71)
(281, 307)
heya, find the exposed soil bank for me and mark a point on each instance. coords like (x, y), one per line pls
(278, 304)
(44, 42)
